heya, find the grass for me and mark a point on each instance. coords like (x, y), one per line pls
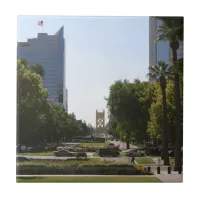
(93, 144)
(144, 160)
(172, 160)
(88, 179)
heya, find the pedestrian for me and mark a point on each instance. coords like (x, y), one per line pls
(162, 155)
(133, 160)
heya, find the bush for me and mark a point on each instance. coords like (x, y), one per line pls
(140, 170)
(82, 166)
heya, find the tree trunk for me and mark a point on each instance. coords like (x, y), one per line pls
(178, 139)
(166, 128)
(127, 145)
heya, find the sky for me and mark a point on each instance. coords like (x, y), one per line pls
(99, 51)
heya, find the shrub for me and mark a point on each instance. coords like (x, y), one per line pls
(77, 166)
(140, 170)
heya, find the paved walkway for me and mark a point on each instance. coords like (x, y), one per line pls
(170, 178)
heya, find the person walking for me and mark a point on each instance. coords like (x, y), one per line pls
(133, 160)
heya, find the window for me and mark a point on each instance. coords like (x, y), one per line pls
(51, 89)
(41, 45)
(41, 60)
(163, 51)
(51, 70)
(50, 86)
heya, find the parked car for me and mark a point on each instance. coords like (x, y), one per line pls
(111, 144)
(66, 153)
(135, 152)
(22, 159)
(108, 152)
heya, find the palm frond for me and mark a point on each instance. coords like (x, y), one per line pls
(173, 25)
(160, 71)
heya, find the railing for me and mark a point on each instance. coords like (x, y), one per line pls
(159, 168)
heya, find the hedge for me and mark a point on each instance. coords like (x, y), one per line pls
(63, 167)
(97, 170)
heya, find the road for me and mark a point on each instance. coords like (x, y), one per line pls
(90, 155)
(122, 145)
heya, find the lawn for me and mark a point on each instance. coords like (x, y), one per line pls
(93, 144)
(172, 160)
(144, 160)
(88, 179)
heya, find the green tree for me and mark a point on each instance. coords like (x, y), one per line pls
(155, 124)
(31, 104)
(38, 69)
(172, 30)
(155, 128)
(161, 73)
(128, 110)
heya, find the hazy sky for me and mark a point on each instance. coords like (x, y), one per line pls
(99, 50)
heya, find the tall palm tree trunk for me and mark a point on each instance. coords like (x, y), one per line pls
(178, 137)
(166, 128)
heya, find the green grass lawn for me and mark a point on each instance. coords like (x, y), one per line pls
(88, 179)
(172, 160)
(144, 160)
(93, 144)
(48, 153)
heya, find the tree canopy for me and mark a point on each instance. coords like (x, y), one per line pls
(39, 120)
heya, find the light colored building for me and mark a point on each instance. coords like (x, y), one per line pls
(159, 51)
(49, 51)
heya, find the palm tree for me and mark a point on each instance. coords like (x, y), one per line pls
(172, 30)
(161, 73)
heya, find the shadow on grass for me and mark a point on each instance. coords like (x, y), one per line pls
(30, 177)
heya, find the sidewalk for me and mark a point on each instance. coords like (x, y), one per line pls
(170, 178)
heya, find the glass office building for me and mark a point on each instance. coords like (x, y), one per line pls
(159, 51)
(49, 51)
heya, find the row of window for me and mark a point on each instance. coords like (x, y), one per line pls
(29, 54)
(41, 60)
(43, 45)
(50, 86)
(50, 75)
(37, 50)
(51, 89)
(45, 65)
(47, 70)
(49, 81)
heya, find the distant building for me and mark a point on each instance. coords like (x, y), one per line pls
(49, 51)
(159, 51)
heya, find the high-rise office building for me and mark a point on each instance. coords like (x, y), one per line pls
(49, 51)
(160, 50)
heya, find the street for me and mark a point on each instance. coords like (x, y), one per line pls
(122, 145)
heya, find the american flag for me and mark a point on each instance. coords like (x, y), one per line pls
(40, 23)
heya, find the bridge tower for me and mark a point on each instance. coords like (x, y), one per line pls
(100, 121)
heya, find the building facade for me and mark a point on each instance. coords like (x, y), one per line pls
(49, 51)
(159, 51)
